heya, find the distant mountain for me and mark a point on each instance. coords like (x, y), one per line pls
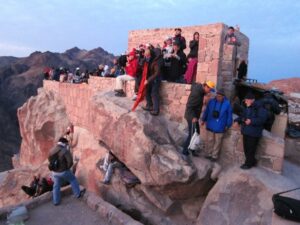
(288, 85)
(21, 77)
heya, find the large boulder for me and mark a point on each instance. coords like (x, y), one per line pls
(12, 180)
(43, 120)
(143, 142)
(243, 197)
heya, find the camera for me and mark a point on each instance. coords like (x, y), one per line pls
(216, 114)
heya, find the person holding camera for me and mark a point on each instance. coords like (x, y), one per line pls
(252, 122)
(218, 118)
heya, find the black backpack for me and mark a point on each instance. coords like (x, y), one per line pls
(54, 162)
(287, 207)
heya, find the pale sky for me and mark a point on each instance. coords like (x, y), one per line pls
(273, 26)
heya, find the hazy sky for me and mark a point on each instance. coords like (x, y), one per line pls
(273, 26)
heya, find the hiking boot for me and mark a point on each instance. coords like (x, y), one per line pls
(106, 182)
(120, 94)
(134, 97)
(245, 167)
(195, 154)
(154, 113)
(146, 108)
(81, 193)
(208, 157)
(213, 159)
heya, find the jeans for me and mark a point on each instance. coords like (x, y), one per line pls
(68, 176)
(250, 145)
(110, 170)
(188, 140)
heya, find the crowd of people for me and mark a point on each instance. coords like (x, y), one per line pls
(148, 66)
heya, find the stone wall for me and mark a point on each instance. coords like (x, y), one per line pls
(78, 97)
(216, 61)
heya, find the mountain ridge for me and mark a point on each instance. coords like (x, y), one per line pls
(20, 77)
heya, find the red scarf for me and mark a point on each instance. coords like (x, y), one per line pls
(142, 88)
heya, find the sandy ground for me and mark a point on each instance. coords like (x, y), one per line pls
(70, 211)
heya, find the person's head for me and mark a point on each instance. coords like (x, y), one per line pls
(177, 31)
(115, 61)
(101, 67)
(131, 55)
(208, 86)
(196, 36)
(176, 46)
(249, 99)
(220, 95)
(63, 140)
(230, 30)
(168, 40)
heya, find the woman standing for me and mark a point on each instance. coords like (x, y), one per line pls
(190, 73)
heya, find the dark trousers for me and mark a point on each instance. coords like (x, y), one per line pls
(250, 145)
(152, 94)
(191, 132)
(138, 80)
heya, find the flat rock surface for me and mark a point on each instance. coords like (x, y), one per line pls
(70, 211)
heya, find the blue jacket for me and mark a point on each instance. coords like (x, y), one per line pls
(218, 125)
(258, 116)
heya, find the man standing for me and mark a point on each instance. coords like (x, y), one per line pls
(252, 122)
(193, 110)
(179, 39)
(218, 118)
(62, 158)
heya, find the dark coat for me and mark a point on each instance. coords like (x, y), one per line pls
(258, 116)
(64, 157)
(178, 67)
(194, 45)
(242, 70)
(181, 40)
(195, 101)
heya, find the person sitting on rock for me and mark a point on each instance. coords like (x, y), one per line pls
(130, 69)
(38, 186)
(218, 118)
(62, 172)
(193, 110)
(110, 163)
(252, 122)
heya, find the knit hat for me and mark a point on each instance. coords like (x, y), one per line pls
(221, 91)
(249, 95)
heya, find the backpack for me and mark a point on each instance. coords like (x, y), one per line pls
(286, 207)
(54, 162)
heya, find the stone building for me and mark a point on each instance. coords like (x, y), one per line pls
(217, 61)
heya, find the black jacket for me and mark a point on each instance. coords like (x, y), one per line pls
(181, 40)
(64, 157)
(258, 116)
(194, 45)
(195, 101)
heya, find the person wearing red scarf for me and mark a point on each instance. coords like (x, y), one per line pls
(130, 69)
